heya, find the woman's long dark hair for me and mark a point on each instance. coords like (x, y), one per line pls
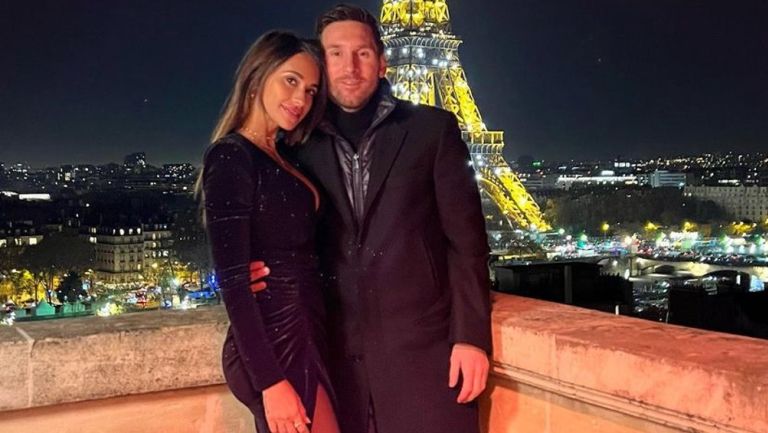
(262, 58)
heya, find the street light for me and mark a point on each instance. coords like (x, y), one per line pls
(688, 226)
(605, 227)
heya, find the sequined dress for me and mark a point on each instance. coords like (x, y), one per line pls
(256, 210)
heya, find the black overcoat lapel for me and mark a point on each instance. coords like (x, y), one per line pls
(319, 160)
(387, 143)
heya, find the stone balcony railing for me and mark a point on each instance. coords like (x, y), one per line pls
(556, 368)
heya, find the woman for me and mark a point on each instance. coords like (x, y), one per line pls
(259, 206)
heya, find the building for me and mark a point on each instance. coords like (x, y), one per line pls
(178, 172)
(18, 171)
(623, 167)
(531, 181)
(119, 253)
(606, 177)
(570, 282)
(664, 178)
(19, 234)
(643, 179)
(158, 244)
(725, 301)
(539, 182)
(122, 253)
(66, 174)
(741, 202)
(135, 161)
(144, 180)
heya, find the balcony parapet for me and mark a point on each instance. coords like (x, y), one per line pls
(556, 368)
(72, 360)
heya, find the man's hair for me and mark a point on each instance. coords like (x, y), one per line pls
(346, 12)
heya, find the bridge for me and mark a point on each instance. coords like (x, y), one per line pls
(644, 266)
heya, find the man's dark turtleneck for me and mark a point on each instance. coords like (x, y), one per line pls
(352, 126)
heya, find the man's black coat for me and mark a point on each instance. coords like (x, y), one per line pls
(408, 281)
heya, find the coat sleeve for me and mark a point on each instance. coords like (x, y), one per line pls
(463, 223)
(228, 190)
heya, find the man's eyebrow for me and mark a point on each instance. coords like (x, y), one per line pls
(358, 47)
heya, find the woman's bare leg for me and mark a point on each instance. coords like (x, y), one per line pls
(324, 419)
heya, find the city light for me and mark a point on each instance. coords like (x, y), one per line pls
(9, 319)
(108, 309)
(649, 226)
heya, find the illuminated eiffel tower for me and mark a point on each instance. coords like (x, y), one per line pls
(424, 68)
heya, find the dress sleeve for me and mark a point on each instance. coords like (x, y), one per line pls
(228, 191)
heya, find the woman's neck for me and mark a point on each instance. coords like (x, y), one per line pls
(261, 130)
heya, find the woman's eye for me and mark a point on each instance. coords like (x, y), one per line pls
(312, 92)
(290, 80)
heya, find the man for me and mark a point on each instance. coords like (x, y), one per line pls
(402, 246)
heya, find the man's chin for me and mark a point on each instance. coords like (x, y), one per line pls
(350, 105)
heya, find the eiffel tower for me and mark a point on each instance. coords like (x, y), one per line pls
(424, 68)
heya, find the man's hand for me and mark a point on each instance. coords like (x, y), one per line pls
(258, 271)
(472, 363)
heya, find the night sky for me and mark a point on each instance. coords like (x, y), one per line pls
(90, 81)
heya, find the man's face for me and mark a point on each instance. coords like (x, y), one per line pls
(354, 66)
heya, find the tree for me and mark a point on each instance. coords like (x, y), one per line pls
(9, 258)
(7, 289)
(586, 209)
(18, 286)
(56, 254)
(71, 288)
(191, 245)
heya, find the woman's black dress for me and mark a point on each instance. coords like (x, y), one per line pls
(256, 210)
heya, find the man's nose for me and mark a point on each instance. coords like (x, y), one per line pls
(350, 63)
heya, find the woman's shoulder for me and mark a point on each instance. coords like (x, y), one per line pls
(232, 142)
(232, 148)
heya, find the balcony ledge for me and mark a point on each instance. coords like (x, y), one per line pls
(556, 368)
(70, 360)
(655, 375)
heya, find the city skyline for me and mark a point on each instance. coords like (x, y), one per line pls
(89, 81)
(755, 159)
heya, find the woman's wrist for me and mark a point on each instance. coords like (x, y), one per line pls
(277, 386)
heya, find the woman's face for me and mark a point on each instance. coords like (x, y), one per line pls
(289, 91)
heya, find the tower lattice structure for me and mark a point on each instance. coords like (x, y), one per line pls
(424, 68)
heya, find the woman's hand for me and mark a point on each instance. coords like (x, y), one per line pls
(259, 271)
(284, 410)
